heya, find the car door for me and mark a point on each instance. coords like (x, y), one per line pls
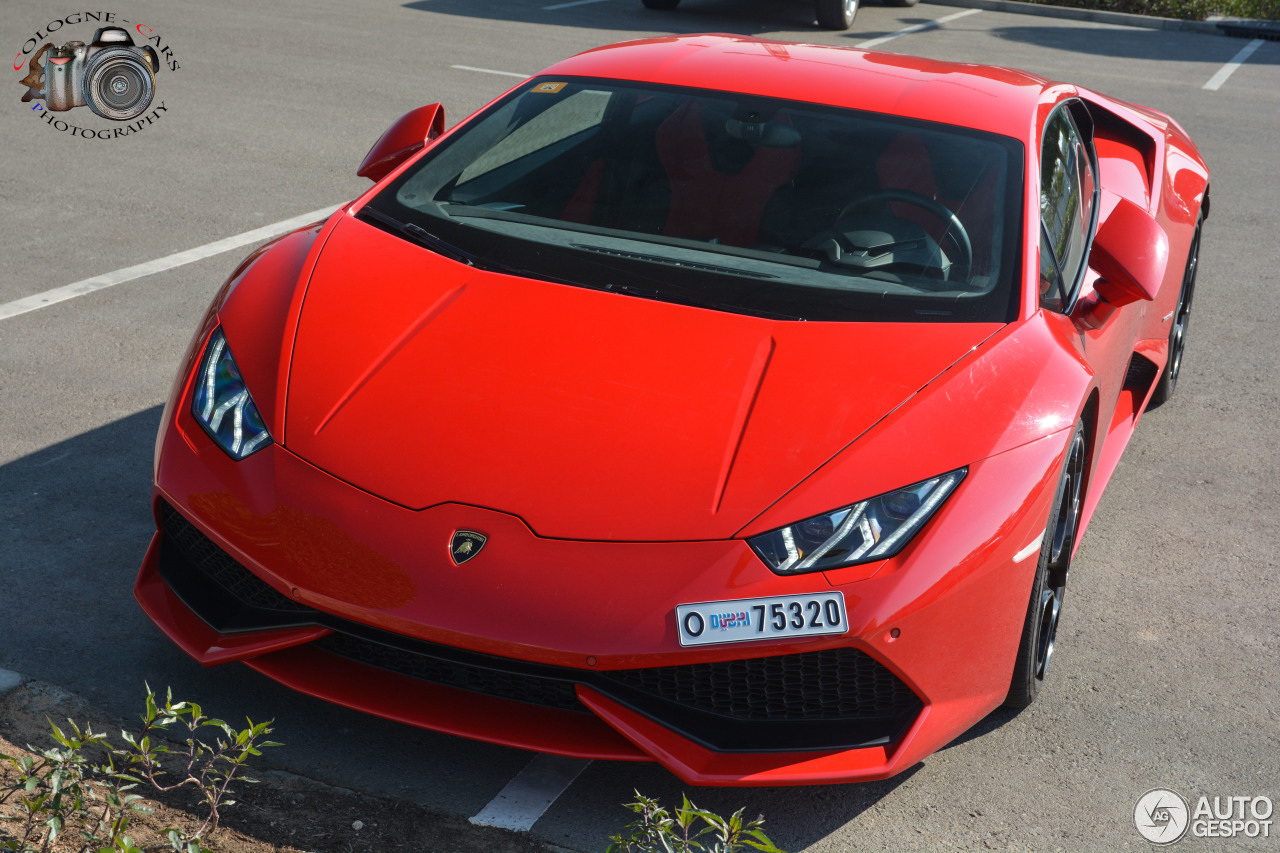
(1070, 196)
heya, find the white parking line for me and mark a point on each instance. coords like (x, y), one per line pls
(168, 262)
(1216, 81)
(918, 28)
(526, 797)
(567, 5)
(489, 71)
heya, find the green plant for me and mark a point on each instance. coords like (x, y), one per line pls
(78, 796)
(1269, 9)
(1195, 10)
(689, 830)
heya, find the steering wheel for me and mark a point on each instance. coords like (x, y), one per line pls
(955, 228)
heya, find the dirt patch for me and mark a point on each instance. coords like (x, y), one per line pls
(285, 813)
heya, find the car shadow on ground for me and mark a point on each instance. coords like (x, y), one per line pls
(742, 17)
(827, 810)
(75, 514)
(77, 522)
(746, 17)
(1132, 43)
(796, 818)
(988, 724)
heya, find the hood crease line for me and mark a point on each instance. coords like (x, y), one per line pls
(746, 404)
(398, 344)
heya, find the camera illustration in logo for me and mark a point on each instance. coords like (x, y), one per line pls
(115, 77)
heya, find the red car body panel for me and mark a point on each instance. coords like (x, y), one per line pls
(280, 509)
(610, 410)
(557, 421)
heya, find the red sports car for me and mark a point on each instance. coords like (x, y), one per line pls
(722, 402)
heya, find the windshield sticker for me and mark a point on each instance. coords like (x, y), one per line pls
(548, 88)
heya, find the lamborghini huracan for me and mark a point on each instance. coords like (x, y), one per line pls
(733, 404)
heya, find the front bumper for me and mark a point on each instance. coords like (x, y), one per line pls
(570, 647)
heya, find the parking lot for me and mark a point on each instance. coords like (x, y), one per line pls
(1164, 674)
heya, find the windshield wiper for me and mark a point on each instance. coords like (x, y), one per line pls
(424, 237)
(421, 236)
(683, 299)
(444, 247)
(700, 266)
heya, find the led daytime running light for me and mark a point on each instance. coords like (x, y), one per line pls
(870, 530)
(223, 406)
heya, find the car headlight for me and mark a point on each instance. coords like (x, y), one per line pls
(222, 403)
(870, 530)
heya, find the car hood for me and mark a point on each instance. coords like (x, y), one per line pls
(589, 415)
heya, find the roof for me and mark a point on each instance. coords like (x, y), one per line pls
(983, 97)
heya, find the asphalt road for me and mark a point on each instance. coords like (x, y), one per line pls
(1165, 673)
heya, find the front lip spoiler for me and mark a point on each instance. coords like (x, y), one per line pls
(194, 636)
(184, 554)
(288, 656)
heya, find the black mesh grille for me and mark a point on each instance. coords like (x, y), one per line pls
(1140, 374)
(826, 685)
(832, 699)
(519, 687)
(219, 566)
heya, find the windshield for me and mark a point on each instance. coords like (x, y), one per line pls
(730, 202)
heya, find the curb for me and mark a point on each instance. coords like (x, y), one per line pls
(1246, 28)
(1238, 27)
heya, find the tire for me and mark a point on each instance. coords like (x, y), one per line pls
(664, 5)
(901, 2)
(1178, 331)
(836, 14)
(1040, 628)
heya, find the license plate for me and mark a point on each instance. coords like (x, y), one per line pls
(770, 618)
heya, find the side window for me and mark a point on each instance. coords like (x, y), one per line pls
(1053, 296)
(1067, 191)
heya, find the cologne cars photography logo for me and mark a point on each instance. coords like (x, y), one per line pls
(113, 73)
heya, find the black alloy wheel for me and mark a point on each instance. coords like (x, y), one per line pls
(1178, 331)
(1040, 629)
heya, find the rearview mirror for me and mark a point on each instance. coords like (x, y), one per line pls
(1130, 252)
(406, 137)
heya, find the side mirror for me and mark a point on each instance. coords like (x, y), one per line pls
(411, 132)
(1130, 252)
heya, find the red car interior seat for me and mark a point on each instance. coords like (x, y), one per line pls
(710, 198)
